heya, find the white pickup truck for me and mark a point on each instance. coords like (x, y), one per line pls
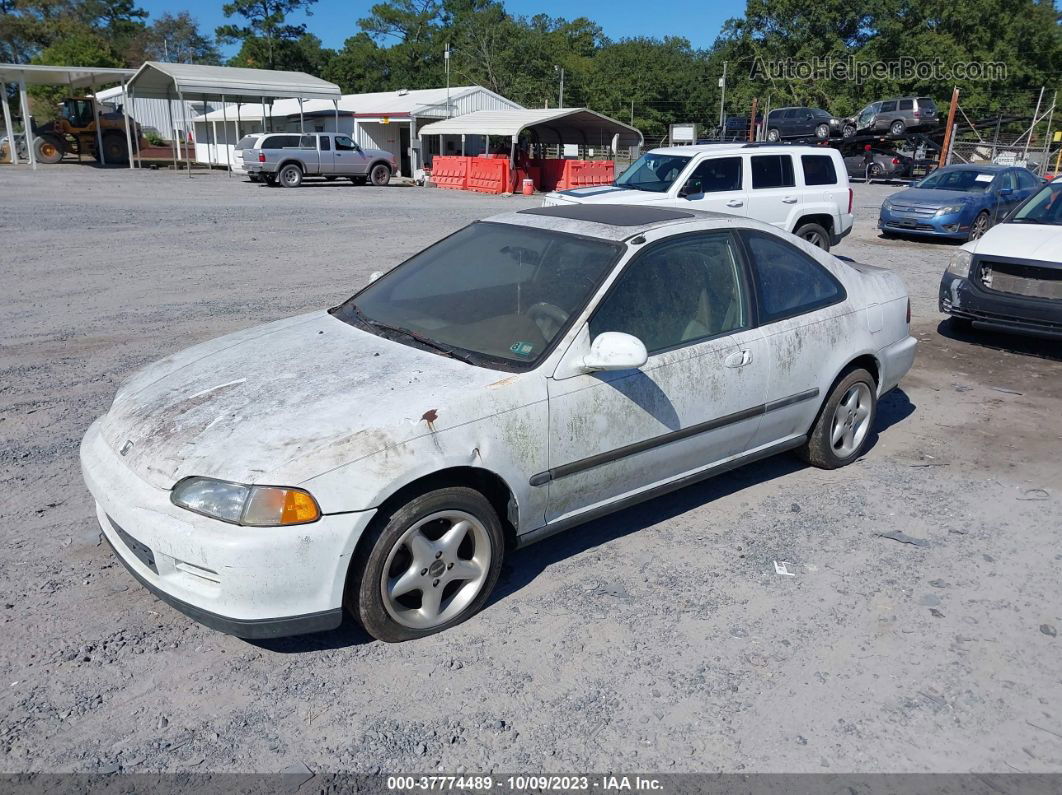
(801, 189)
(286, 158)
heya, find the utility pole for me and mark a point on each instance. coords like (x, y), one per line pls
(722, 98)
(948, 129)
(446, 58)
(560, 69)
(752, 120)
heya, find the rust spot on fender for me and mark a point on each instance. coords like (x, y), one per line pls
(429, 417)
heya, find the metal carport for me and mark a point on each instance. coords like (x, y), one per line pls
(32, 74)
(549, 126)
(192, 82)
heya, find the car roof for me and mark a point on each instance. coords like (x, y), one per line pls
(614, 222)
(735, 148)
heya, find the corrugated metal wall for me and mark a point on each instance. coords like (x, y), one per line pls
(153, 113)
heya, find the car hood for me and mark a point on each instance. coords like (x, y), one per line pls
(286, 401)
(611, 194)
(928, 197)
(1021, 241)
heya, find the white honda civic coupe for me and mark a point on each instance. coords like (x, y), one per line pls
(528, 373)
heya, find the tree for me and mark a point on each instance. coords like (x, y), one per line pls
(361, 66)
(266, 22)
(177, 39)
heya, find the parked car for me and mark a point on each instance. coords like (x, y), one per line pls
(519, 377)
(959, 202)
(287, 158)
(801, 123)
(894, 116)
(801, 189)
(878, 164)
(1011, 278)
(245, 143)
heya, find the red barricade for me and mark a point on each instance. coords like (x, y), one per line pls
(450, 172)
(559, 174)
(489, 175)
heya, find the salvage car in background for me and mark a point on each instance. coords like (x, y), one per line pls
(1011, 278)
(893, 116)
(881, 164)
(957, 202)
(785, 123)
(522, 376)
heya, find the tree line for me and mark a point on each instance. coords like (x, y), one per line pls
(650, 82)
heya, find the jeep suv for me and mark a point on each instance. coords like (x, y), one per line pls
(894, 116)
(801, 189)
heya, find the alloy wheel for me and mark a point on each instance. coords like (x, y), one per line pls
(980, 226)
(851, 420)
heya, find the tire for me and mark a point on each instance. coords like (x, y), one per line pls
(48, 149)
(114, 149)
(874, 172)
(773, 135)
(820, 449)
(380, 175)
(408, 545)
(822, 132)
(290, 176)
(814, 234)
(896, 128)
(849, 131)
(979, 226)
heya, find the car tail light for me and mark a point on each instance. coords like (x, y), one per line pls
(261, 157)
(918, 114)
(850, 197)
(896, 161)
(908, 311)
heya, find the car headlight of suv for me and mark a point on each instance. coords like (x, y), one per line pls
(252, 506)
(951, 208)
(959, 264)
(886, 205)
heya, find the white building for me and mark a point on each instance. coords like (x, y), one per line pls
(167, 117)
(388, 120)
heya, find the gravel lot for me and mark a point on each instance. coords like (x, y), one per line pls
(659, 639)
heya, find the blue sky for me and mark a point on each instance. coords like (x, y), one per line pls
(334, 20)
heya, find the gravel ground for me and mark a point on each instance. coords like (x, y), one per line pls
(659, 639)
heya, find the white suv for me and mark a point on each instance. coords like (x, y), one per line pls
(801, 189)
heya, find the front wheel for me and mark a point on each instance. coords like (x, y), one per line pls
(822, 132)
(814, 234)
(429, 566)
(842, 430)
(773, 135)
(380, 175)
(896, 128)
(849, 131)
(48, 149)
(979, 226)
(290, 176)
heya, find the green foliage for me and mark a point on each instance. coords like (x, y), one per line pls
(265, 32)
(176, 39)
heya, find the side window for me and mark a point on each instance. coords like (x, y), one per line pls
(281, 142)
(715, 175)
(888, 107)
(906, 104)
(1005, 180)
(818, 170)
(772, 171)
(1027, 180)
(788, 281)
(678, 293)
(308, 142)
(326, 143)
(344, 144)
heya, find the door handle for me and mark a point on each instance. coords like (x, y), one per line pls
(735, 203)
(738, 358)
(790, 200)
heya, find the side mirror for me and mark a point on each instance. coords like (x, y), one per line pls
(614, 350)
(1006, 191)
(374, 276)
(691, 188)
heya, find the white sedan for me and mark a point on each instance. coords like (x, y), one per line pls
(524, 375)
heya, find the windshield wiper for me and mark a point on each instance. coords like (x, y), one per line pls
(428, 342)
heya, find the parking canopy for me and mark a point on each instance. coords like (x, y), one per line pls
(156, 80)
(79, 76)
(549, 126)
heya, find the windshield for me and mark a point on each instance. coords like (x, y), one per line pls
(963, 180)
(499, 291)
(653, 172)
(1044, 207)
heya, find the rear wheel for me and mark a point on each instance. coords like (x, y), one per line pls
(814, 234)
(290, 176)
(874, 172)
(380, 175)
(849, 131)
(822, 132)
(429, 566)
(48, 149)
(773, 135)
(842, 430)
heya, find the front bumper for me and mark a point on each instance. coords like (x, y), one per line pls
(963, 298)
(947, 226)
(248, 582)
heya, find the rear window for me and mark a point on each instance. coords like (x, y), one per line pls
(247, 142)
(818, 170)
(281, 142)
(772, 171)
(926, 103)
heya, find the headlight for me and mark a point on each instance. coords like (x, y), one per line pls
(959, 264)
(886, 205)
(951, 208)
(254, 506)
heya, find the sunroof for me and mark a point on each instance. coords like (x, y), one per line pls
(611, 214)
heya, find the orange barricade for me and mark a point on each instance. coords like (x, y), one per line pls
(450, 172)
(559, 174)
(489, 175)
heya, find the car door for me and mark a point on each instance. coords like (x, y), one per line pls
(886, 116)
(695, 402)
(324, 151)
(805, 323)
(1004, 192)
(348, 158)
(773, 194)
(716, 184)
